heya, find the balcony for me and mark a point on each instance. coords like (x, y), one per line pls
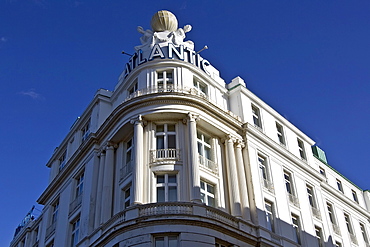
(316, 213)
(293, 200)
(208, 164)
(336, 229)
(126, 170)
(50, 230)
(268, 185)
(162, 155)
(353, 238)
(75, 204)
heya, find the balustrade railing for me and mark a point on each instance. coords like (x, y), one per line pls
(293, 199)
(167, 208)
(208, 164)
(164, 154)
(336, 229)
(126, 170)
(268, 185)
(316, 212)
(75, 203)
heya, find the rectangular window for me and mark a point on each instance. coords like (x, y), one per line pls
(331, 214)
(54, 215)
(280, 133)
(339, 185)
(256, 116)
(126, 197)
(200, 86)
(165, 80)
(265, 174)
(288, 183)
(75, 232)
(297, 228)
(338, 244)
(322, 171)
(364, 233)
(85, 131)
(270, 216)
(133, 88)
(354, 195)
(207, 193)
(205, 152)
(319, 236)
(166, 241)
(166, 188)
(79, 185)
(128, 158)
(62, 160)
(166, 141)
(302, 151)
(348, 223)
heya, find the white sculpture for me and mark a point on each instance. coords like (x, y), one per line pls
(164, 25)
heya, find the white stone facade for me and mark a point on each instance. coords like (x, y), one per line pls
(174, 156)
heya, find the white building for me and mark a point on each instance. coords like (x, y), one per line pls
(174, 156)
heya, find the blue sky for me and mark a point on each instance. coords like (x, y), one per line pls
(310, 60)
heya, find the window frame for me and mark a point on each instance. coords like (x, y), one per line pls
(264, 172)
(339, 185)
(296, 224)
(355, 197)
(201, 87)
(319, 235)
(166, 82)
(207, 193)
(280, 134)
(364, 233)
(301, 149)
(75, 231)
(270, 215)
(166, 185)
(256, 114)
(133, 87)
(166, 239)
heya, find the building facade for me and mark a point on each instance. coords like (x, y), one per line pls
(174, 156)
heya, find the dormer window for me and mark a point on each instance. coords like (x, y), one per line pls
(165, 80)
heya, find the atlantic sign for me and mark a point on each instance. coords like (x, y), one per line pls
(166, 52)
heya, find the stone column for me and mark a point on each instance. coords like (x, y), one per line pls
(99, 191)
(233, 178)
(242, 180)
(107, 195)
(193, 161)
(138, 166)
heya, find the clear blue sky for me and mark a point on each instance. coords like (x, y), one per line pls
(310, 60)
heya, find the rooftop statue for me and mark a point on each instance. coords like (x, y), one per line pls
(164, 30)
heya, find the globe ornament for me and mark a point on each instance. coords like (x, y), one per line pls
(164, 21)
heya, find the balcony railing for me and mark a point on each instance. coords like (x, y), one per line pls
(164, 154)
(293, 199)
(316, 213)
(75, 203)
(126, 170)
(353, 238)
(166, 208)
(50, 230)
(336, 229)
(268, 185)
(208, 164)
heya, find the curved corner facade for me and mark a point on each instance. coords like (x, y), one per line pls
(174, 156)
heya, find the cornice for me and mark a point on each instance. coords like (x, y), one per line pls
(344, 199)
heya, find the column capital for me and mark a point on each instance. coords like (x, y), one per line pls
(138, 120)
(191, 117)
(229, 138)
(240, 143)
